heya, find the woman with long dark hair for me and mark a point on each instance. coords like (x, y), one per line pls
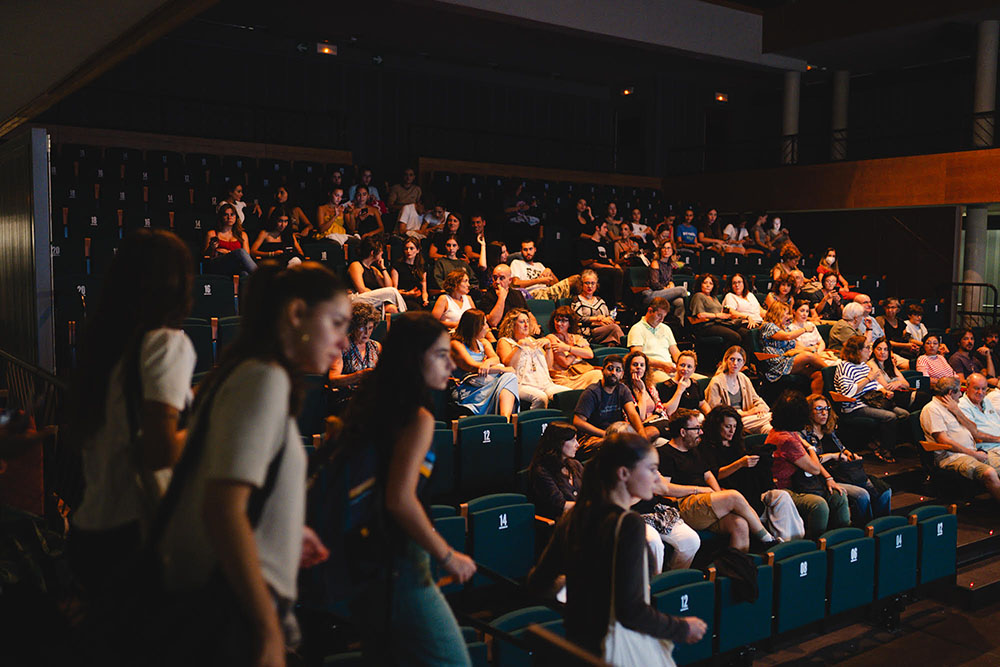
(418, 627)
(276, 241)
(298, 222)
(227, 246)
(601, 548)
(554, 472)
(238, 517)
(133, 382)
(409, 275)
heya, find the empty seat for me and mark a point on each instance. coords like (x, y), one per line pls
(687, 593)
(201, 338)
(599, 355)
(799, 584)
(937, 541)
(515, 624)
(742, 623)
(895, 555)
(214, 296)
(485, 454)
(501, 534)
(850, 568)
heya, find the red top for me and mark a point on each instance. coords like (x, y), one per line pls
(789, 448)
(230, 245)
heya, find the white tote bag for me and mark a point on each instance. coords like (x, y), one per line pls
(627, 648)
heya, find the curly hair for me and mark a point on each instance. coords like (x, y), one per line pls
(646, 376)
(453, 280)
(361, 314)
(565, 311)
(506, 328)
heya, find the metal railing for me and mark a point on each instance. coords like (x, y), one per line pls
(975, 304)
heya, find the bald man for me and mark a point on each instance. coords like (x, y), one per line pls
(982, 413)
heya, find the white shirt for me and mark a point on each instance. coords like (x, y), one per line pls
(935, 418)
(733, 233)
(748, 305)
(655, 343)
(917, 332)
(523, 270)
(986, 418)
(250, 422)
(114, 495)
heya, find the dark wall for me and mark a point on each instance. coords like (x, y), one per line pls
(912, 246)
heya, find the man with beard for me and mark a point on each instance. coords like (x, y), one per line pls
(602, 404)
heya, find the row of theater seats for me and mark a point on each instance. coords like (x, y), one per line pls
(799, 582)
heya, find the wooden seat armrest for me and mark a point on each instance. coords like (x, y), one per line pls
(931, 446)
(761, 356)
(837, 397)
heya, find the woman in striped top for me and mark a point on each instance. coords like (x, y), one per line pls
(855, 379)
(932, 364)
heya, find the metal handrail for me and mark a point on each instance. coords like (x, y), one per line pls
(985, 311)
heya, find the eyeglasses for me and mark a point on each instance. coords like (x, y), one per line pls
(692, 428)
(822, 408)
(562, 319)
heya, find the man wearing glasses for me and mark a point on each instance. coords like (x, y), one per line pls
(719, 510)
(944, 422)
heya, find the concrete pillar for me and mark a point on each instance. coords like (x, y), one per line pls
(984, 101)
(974, 270)
(790, 119)
(838, 126)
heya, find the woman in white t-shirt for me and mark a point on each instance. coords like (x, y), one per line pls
(294, 321)
(134, 380)
(742, 303)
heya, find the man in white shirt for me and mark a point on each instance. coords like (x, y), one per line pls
(982, 413)
(655, 339)
(944, 422)
(537, 279)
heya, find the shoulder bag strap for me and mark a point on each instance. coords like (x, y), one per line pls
(614, 566)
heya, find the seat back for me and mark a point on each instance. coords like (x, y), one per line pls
(452, 529)
(485, 457)
(565, 402)
(515, 624)
(529, 432)
(312, 416)
(743, 623)
(895, 555)
(799, 584)
(442, 481)
(937, 541)
(850, 581)
(214, 296)
(687, 593)
(204, 348)
(503, 539)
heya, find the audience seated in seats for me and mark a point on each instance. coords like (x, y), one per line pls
(681, 390)
(777, 337)
(133, 343)
(738, 235)
(234, 197)
(710, 233)
(596, 322)
(473, 239)
(869, 323)
(627, 250)
(227, 246)
(601, 545)
(811, 338)
(371, 282)
(409, 276)
(991, 339)
(782, 291)
(915, 329)
(848, 327)
(890, 379)
(554, 473)
(830, 306)
(592, 251)
(359, 359)
(778, 235)
(742, 303)
(602, 404)
(455, 300)
(582, 221)
(276, 241)
(931, 363)
(661, 280)
(298, 222)
(944, 422)
(537, 279)
(452, 228)
(748, 473)
(453, 261)
(865, 499)
(614, 221)
(293, 322)
(485, 385)
(647, 399)
(652, 336)
(366, 217)
(571, 353)
(665, 230)
(414, 221)
(686, 234)
(366, 180)
(966, 360)
(406, 605)
(407, 193)
(522, 213)
(709, 318)
(500, 298)
(333, 219)
(895, 331)
(828, 264)
(856, 379)
(821, 501)
(982, 413)
(496, 253)
(731, 387)
(530, 358)
(639, 229)
(720, 511)
(790, 258)
(759, 234)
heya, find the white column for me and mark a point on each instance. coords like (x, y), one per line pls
(974, 270)
(984, 101)
(790, 119)
(838, 126)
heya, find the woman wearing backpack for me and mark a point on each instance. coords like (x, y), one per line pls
(412, 623)
(238, 493)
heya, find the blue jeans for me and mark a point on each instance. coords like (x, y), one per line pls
(231, 263)
(885, 422)
(422, 630)
(675, 295)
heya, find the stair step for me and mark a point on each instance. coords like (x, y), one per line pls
(978, 584)
(978, 537)
(904, 502)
